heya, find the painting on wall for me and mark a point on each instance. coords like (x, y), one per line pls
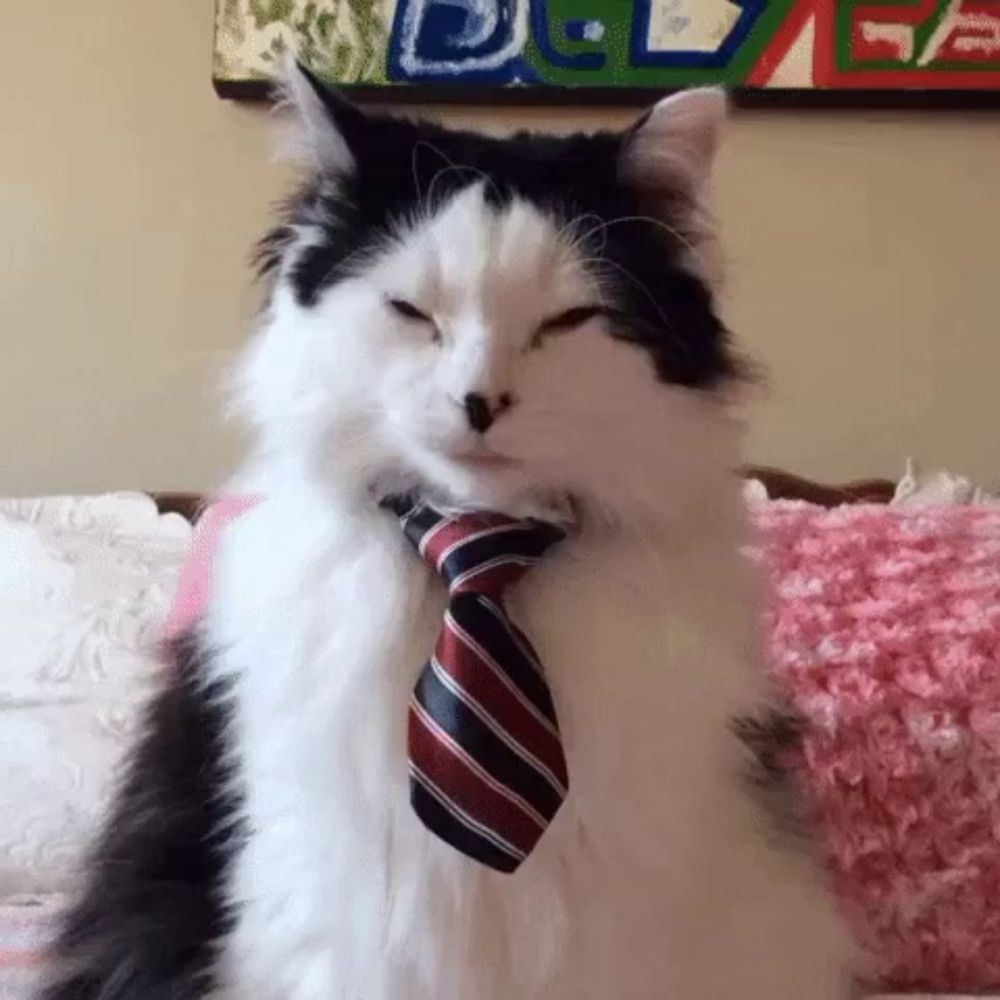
(596, 49)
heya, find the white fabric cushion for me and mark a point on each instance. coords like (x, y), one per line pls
(85, 586)
(919, 488)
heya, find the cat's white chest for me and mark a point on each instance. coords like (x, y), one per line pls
(343, 895)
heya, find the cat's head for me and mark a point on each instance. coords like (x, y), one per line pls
(496, 320)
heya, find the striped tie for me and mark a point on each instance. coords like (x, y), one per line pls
(487, 770)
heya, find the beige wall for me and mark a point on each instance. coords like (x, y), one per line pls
(862, 252)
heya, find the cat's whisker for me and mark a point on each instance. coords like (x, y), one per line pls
(575, 239)
(672, 231)
(419, 145)
(602, 262)
(459, 168)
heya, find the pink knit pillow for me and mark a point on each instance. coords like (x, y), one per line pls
(885, 634)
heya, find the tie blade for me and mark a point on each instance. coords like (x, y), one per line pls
(455, 828)
(473, 803)
(487, 768)
(511, 699)
(469, 742)
(484, 625)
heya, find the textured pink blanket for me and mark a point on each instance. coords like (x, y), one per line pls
(885, 634)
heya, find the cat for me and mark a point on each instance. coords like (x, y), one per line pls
(526, 325)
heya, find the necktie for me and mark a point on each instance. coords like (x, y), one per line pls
(487, 769)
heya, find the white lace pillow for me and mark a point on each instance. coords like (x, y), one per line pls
(85, 586)
(919, 488)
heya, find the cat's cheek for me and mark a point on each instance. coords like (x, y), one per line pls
(420, 422)
(404, 382)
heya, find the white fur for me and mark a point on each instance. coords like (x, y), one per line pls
(657, 877)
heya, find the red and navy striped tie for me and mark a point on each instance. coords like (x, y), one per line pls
(487, 769)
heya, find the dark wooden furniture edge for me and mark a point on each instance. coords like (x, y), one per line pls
(780, 485)
(188, 505)
(783, 485)
(812, 98)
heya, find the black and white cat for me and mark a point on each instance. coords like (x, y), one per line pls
(526, 325)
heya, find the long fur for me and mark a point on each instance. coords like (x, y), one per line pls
(153, 906)
(274, 772)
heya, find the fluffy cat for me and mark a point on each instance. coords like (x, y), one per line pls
(525, 325)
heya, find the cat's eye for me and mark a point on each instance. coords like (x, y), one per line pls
(576, 316)
(563, 322)
(408, 310)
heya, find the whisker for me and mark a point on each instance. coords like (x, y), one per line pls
(600, 262)
(417, 147)
(576, 239)
(458, 167)
(651, 220)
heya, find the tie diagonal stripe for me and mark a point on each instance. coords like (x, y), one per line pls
(490, 753)
(470, 823)
(460, 538)
(494, 634)
(514, 743)
(444, 740)
(453, 628)
(487, 767)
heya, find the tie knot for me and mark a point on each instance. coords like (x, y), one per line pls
(478, 552)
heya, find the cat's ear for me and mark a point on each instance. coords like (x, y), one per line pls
(671, 149)
(330, 129)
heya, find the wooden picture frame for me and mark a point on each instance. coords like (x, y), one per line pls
(812, 53)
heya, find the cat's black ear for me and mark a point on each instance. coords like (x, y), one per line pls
(673, 146)
(331, 129)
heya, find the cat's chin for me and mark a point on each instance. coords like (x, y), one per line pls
(478, 480)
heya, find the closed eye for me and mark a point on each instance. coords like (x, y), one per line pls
(576, 316)
(414, 315)
(408, 311)
(564, 322)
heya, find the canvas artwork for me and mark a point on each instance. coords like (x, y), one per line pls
(468, 48)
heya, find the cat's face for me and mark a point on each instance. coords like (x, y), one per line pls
(501, 322)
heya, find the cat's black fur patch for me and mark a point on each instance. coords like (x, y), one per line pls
(773, 740)
(144, 926)
(401, 165)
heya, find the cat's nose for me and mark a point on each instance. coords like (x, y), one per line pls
(482, 410)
